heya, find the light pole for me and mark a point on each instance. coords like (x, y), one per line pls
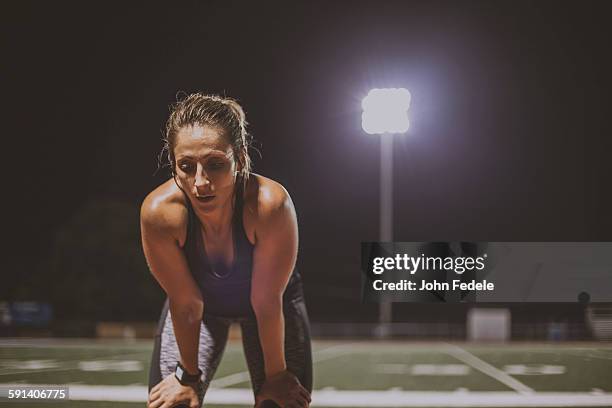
(385, 113)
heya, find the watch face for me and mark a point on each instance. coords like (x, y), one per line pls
(179, 372)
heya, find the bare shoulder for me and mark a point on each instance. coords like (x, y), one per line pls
(264, 193)
(164, 211)
(266, 201)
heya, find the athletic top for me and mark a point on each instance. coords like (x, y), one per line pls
(226, 292)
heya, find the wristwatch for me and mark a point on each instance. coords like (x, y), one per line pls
(184, 377)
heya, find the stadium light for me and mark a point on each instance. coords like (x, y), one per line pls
(385, 113)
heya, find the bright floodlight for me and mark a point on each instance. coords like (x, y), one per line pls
(385, 111)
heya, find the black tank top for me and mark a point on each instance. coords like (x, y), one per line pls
(226, 291)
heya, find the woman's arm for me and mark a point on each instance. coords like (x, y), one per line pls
(160, 223)
(274, 258)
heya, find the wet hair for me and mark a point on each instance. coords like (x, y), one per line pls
(215, 111)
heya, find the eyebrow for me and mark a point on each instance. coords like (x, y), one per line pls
(217, 154)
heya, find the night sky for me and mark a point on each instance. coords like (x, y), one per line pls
(510, 124)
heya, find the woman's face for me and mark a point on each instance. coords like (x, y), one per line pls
(205, 166)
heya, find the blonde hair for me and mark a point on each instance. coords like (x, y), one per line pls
(216, 111)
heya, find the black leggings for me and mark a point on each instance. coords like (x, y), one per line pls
(213, 337)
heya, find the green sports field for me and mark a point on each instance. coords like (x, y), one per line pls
(347, 374)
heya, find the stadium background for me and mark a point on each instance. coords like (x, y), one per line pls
(509, 141)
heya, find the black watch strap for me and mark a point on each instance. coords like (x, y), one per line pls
(184, 377)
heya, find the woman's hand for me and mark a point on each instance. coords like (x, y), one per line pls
(285, 389)
(170, 392)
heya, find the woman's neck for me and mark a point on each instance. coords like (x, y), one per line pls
(219, 221)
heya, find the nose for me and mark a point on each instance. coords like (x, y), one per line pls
(201, 179)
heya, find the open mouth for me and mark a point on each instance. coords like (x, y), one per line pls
(206, 199)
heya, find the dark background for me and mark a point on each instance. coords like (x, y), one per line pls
(509, 139)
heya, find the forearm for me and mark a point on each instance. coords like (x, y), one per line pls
(186, 320)
(271, 328)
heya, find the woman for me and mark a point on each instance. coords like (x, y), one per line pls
(222, 242)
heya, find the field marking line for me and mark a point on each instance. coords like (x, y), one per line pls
(486, 368)
(589, 356)
(572, 353)
(332, 352)
(335, 398)
(75, 367)
(77, 343)
(39, 371)
(231, 379)
(243, 376)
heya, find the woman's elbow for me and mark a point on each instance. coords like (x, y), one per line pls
(189, 309)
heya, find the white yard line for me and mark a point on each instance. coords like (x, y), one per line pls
(333, 352)
(322, 355)
(76, 343)
(47, 370)
(486, 368)
(115, 357)
(231, 379)
(335, 398)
